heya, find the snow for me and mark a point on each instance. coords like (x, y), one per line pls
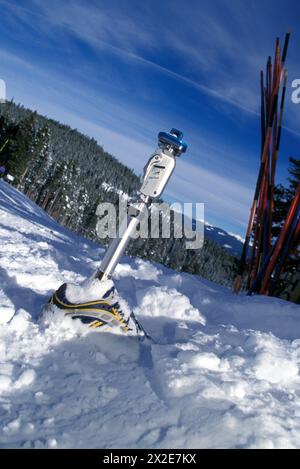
(163, 301)
(89, 290)
(222, 371)
(110, 188)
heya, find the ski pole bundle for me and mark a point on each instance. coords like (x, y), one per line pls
(273, 89)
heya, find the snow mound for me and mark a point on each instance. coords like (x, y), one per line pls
(164, 301)
(274, 368)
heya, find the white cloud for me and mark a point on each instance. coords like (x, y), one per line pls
(221, 195)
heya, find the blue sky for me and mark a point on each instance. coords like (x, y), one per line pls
(121, 71)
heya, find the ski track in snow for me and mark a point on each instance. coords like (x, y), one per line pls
(223, 371)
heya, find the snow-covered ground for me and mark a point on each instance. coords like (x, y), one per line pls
(223, 370)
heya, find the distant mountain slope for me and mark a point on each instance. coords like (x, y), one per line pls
(229, 241)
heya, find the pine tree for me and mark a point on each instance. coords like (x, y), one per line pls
(8, 132)
(40, 164)
(22, 150)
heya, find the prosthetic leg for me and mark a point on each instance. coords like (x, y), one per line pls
(96, 302)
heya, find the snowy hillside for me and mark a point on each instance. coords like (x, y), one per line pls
(222, 372)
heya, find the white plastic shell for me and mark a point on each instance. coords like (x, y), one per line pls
(157, 172)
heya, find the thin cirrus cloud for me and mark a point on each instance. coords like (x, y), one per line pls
(203, 49)
(205, 46)
(134, 38)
